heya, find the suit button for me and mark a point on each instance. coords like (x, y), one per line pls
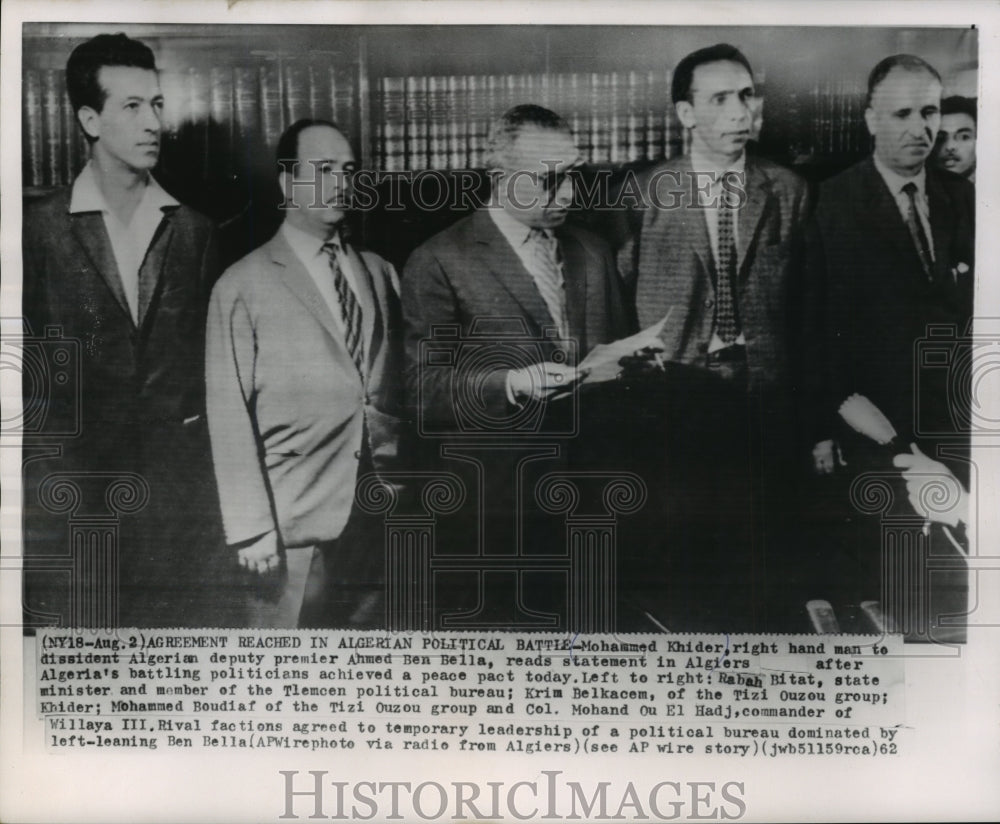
(357, 454)
(709, 303)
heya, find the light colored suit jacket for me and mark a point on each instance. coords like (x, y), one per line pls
(288, 411)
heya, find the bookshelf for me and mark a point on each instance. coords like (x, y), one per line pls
(415, 98)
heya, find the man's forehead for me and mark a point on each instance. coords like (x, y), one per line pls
(900, 84)
(128, 80)
(720, 75)
(546, 147)
(957, 121)
(323, 143)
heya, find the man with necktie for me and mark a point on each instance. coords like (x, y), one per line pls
(303, 374)
(118, 265)
(890, 268)
(714, 252)
(517, 281)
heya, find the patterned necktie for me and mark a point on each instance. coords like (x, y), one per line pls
(727, 322)
(916, 227)
(350, 309)
(549, 276)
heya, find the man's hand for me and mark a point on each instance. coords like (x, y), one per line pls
(827, 457)
(262, 555)
(542, 380)
(933, 489)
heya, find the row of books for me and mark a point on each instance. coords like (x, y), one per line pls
(217, 121)
(221, 121)
(442, 122)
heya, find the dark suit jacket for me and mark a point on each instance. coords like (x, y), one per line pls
(140, 404)
(468, 276)
(669, 258)
(288, 411)
(870, 303)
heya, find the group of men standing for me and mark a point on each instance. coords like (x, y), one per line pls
(313, 372)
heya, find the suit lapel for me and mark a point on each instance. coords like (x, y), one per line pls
(575, 277)
(500, 260)
(692, 228)
(151, 270)
(751, 215)
(882, 206)
(942, 228)
(299, 282)
(370, 300)
(89, 230)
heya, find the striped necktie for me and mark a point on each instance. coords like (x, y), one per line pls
(350, 309)
(548, 274)
(916, 227)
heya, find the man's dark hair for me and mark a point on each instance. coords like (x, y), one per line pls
(907, 62)
(89, 58)
(288, 143)
(680, 86)
(505, 130)
(956, 104)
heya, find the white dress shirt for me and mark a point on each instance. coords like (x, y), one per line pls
(309, 250)
(129, 241)
(708, 200)
(896, 182)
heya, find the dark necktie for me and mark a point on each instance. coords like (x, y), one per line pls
(916, 227)
(727, 322)
(350, 309)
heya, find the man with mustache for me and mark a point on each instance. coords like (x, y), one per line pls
(117, 264)
(304, 374)
(715, 252)
(956, 150)
(889, 254)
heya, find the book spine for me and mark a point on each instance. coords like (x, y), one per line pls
(220, 135)
(478, 122)
(416, 122)
(52, 169)
(437, 129)
(31, 138)
(269, 79)
(344, 85)
(199, 98)
(635, 121)
(320, 94)
(656, 119)
(618, 117)
(74, 144)
(295, 83)
(246, 110)
(392, 128)
(458, 98)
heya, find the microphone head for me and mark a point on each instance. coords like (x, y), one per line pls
(867, 419)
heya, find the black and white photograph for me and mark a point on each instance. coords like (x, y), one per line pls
(470, 345)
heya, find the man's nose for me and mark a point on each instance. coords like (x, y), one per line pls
(564, 194)
(152, 119)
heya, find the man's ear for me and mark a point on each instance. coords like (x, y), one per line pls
(870, 120)
(685, 113)
(90, 120)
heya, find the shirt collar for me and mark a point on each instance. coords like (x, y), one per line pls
(88, 197)
(305, 245)
(510, 227)
(699, 163)
(896, 182)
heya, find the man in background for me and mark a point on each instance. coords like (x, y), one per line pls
(119, 265)
(715, 252)
(956, 147)
(304, 378)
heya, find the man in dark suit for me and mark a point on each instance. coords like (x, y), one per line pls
(304, 370)
(532, 293)
(889, 256)
(714, 253)
(117, 264)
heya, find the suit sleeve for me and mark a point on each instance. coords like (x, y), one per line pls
(429, 301)
(230, 397)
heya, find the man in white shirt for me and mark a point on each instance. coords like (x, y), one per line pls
(117, 264)
(303, 371)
